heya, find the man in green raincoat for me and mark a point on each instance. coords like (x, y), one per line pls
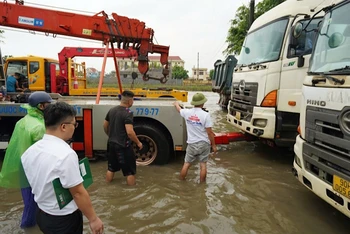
(28, 130)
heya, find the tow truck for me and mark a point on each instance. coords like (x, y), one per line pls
(70, 79)
(156, 122)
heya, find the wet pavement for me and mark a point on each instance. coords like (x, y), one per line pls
(250, 189)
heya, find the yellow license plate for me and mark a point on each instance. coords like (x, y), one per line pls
(341, 186)
(238, 115)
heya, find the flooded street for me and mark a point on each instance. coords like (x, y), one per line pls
(249, 189)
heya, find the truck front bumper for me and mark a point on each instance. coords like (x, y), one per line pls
(313, 183)
(262, 124)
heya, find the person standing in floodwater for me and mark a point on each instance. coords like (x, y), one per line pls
(28, 130)
(118, 125)
(200, 136)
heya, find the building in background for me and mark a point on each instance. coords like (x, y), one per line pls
(173, 60)
(92, 72)
(154, 62)
(127, 66)
(199, 74)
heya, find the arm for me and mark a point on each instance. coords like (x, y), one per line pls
(37, 132)
(69, 175)
(17, 86)
(132, 135)
(211, 136)
(106, 127)
(82, 199)
(177, 106)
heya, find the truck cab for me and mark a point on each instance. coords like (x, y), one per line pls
(267, 81)
(35, 72)
(322, 149)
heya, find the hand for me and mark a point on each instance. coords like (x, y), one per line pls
(214, 149)
(175, 103)
(140, 145)
(96, 226)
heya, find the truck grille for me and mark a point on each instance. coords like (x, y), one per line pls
(327, 150)
(243, 99)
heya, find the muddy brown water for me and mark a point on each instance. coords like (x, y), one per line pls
(250, 189)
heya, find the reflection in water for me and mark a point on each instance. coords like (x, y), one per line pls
(250, 189)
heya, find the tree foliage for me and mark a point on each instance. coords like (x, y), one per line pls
(178, 72)
(239, 25)
(211, 74)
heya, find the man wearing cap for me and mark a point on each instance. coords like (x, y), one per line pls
(118, 125)
(28, 130)
(200, 136)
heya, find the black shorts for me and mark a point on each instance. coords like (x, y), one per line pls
(121, 158)
(52, 224)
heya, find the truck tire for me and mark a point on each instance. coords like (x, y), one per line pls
(156, 146)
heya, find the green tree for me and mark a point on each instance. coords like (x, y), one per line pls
(239, 25)
(211, 74)
(179, 72)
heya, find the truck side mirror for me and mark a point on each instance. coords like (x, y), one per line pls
(291, 50)
(335, 40)
(297, 30)
(301, 61)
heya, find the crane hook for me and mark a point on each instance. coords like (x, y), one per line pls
(147, 77)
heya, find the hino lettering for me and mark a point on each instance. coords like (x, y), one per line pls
(316, 102)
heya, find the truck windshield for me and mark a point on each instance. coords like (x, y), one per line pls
(263, 44)
(16, 66)
(331, 53)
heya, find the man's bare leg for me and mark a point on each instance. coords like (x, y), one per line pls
(131, 180)
(109, 176)
(184, 170)
(203, 172)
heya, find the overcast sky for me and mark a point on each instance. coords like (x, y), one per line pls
(187, 26)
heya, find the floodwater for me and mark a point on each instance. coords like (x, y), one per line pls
(249, 189)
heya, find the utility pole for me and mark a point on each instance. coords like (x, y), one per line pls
(251, 12)
(198, 66)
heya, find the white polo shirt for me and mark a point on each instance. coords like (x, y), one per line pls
(197, 120)
(46, 160)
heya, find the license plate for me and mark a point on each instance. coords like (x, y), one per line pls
(341, 186)
(238, 115)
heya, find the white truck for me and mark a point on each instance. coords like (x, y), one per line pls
(322, 150)
(267, 81)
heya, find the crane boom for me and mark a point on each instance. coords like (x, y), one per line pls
(71, 52)
(125, 32)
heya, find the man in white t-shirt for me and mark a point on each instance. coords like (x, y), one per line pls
(200, 136)
(51, 158)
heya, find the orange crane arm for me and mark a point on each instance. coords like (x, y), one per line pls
(125, 32)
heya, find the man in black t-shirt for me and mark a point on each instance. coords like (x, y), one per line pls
(118, 125)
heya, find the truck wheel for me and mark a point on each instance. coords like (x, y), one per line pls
(156, 147)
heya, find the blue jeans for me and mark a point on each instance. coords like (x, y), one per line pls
(30, 207)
